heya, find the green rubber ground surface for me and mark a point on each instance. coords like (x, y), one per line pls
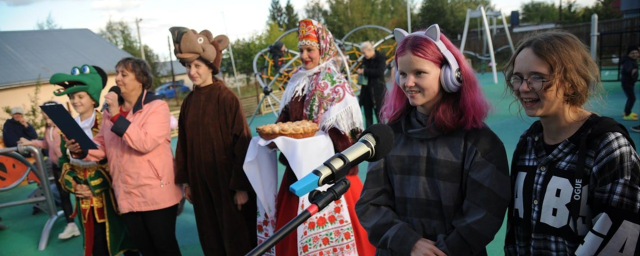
(23, 234)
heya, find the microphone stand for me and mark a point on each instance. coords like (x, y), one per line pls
(319, 200)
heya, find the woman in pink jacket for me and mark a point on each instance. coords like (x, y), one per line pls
(136, 138)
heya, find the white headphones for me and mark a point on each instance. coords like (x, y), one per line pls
(450, 76)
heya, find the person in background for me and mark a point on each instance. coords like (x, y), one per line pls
(629, 74)
(372, 94)
(575, 175)
(51, 143)
(136, 138)
(16, 128)
(277, 50)
(210, 154)
(444, 188)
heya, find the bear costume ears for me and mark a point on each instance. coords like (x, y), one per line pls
(190, 45)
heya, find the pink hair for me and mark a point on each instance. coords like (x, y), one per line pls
(466, 108)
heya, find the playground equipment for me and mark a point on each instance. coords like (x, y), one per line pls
(349, 55)
(481, 13)
(11, 177)
(387, 49)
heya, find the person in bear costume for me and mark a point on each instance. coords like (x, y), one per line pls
(213, 139)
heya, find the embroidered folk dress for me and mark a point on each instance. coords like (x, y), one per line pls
(322, 95)
(328, 232)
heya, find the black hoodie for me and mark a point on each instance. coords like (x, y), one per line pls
(13, 130)
(629, 64)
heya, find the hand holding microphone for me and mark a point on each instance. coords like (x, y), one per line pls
(374, 144)
(111, 103)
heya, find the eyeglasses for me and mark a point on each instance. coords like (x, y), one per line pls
(535, 83)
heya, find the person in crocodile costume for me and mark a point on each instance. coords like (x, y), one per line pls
(104, 230)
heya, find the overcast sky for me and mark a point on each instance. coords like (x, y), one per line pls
(235, 18)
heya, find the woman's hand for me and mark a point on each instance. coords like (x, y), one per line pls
(360, 71)
(82, 191)
(25, 142)
(112, 100)
(426, 247)
(240, 198)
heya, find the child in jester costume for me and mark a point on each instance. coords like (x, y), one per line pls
(104, 231)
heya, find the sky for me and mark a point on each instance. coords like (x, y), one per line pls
(234, 18)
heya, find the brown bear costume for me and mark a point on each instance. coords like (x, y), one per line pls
(212, 143)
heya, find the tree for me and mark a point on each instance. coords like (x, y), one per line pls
(345, 15)
(49, 23)
(539, 12)
(604, 10)
(315, 11)
(244, 50)
(291, 16)
(119, 34)
(276, 14)
(449, 14)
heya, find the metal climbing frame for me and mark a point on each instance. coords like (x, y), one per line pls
(39, 171)
(481, 13)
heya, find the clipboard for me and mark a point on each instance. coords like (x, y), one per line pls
(61, 117)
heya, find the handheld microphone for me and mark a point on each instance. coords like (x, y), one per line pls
(374, 144)
(115, 89)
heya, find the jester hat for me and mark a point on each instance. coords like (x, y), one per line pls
(190, 45)
(87, 78)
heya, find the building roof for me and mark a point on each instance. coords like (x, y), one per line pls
(28, 55)
(178, 69)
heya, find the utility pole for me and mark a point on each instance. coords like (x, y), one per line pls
(173, 75)
(560, 12)
(409, 14)
(233, 63)
(139, 38)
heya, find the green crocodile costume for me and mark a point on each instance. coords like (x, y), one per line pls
(102, 207)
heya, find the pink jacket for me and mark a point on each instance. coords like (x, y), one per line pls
(51, 142)
(138, 149)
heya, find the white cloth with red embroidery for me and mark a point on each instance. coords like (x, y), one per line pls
(328, 232)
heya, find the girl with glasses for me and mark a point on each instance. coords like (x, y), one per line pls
(575, 175)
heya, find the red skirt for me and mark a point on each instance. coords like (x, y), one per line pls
(287, 204)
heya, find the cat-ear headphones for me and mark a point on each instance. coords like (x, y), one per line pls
(450, 76)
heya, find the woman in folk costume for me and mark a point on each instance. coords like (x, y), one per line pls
(320, 93)
(104, 230)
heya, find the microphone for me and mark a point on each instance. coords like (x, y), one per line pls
(115, 89)
(374, 144)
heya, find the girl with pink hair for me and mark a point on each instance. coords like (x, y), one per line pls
(444, 188)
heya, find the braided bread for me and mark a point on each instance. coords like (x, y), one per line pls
(296, 130)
